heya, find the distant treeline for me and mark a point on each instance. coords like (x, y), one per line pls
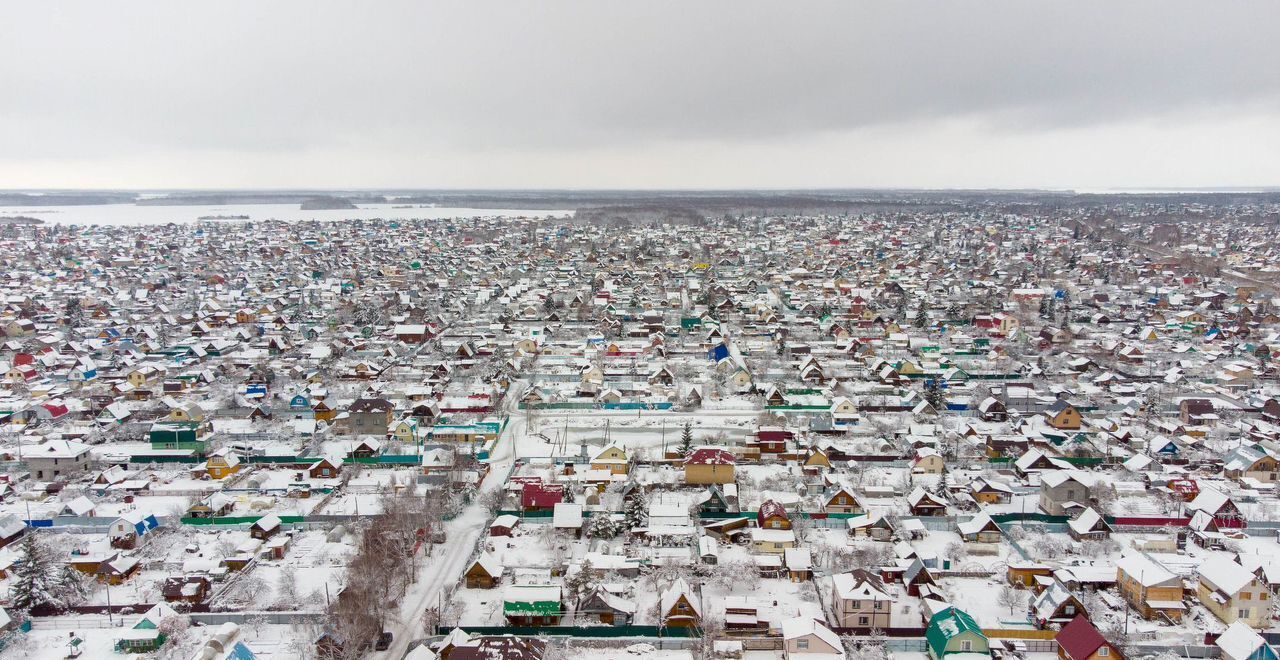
(223, 199)
(20, 220)
(64, 199)
(675, 204)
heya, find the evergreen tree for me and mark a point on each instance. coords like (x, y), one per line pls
(601, 526)
(580, 585)
(922, 314)
(637, 514)
(934, 396)
(72, 585)
(36, 581)
(686, 439)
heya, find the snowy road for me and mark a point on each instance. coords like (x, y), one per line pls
(449, 561)
(464, 532)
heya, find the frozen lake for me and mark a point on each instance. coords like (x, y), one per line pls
(130, 214)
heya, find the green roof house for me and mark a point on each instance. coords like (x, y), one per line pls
(178, 435)
(532, 605)
(951, 632)
(145, 636)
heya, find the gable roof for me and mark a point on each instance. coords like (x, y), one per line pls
(1079, 639)
(710, 456)
(1240, 641)
(803, 626)
(1145, 570)
(674, 592)
(859, 584)
(945, 625)
(1223, 573)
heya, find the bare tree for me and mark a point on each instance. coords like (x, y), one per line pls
(1011, 598)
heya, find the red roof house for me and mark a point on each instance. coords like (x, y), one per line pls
(1080, 640)
(541, 497)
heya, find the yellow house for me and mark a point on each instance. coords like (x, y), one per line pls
(406, 430)
(611, 458)
(908, 368)
(1006, 323)
(187, 413)
(1149, 588)
(843, 406)
(772, 541)
(323, 412)
(929, 461)
(1062, 415)
(817, 458)
(222, 463)
(709, 465)
(141, 376)
(1233, 593)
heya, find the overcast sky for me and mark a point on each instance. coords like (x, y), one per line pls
(591, 94)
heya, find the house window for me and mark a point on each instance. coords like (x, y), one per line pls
(1243, 614)
(857, 604)
(879, 605)
(862, 620)
(1246, 596)
(1070, 610)
(1104, 651)
(802, 644)
(966, 645)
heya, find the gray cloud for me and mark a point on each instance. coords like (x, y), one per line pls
(276, 86)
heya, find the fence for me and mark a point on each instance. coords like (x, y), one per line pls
(219, 618)
(604, 632)
(1185, 650)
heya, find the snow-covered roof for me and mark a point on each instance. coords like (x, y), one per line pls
(1239, 641)
(1224, 574)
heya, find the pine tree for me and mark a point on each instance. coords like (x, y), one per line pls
(36, 583)
(71, 585)
(934, 396)
(601, 526)
(637, 510)
(922, 314)
(686, 439)
(580, 585)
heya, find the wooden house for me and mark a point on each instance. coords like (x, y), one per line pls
(679, 606)
(1080, 640)
(1151, 590)
(265, 527)
(484, 573)
(709, 465)
(924, 503)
